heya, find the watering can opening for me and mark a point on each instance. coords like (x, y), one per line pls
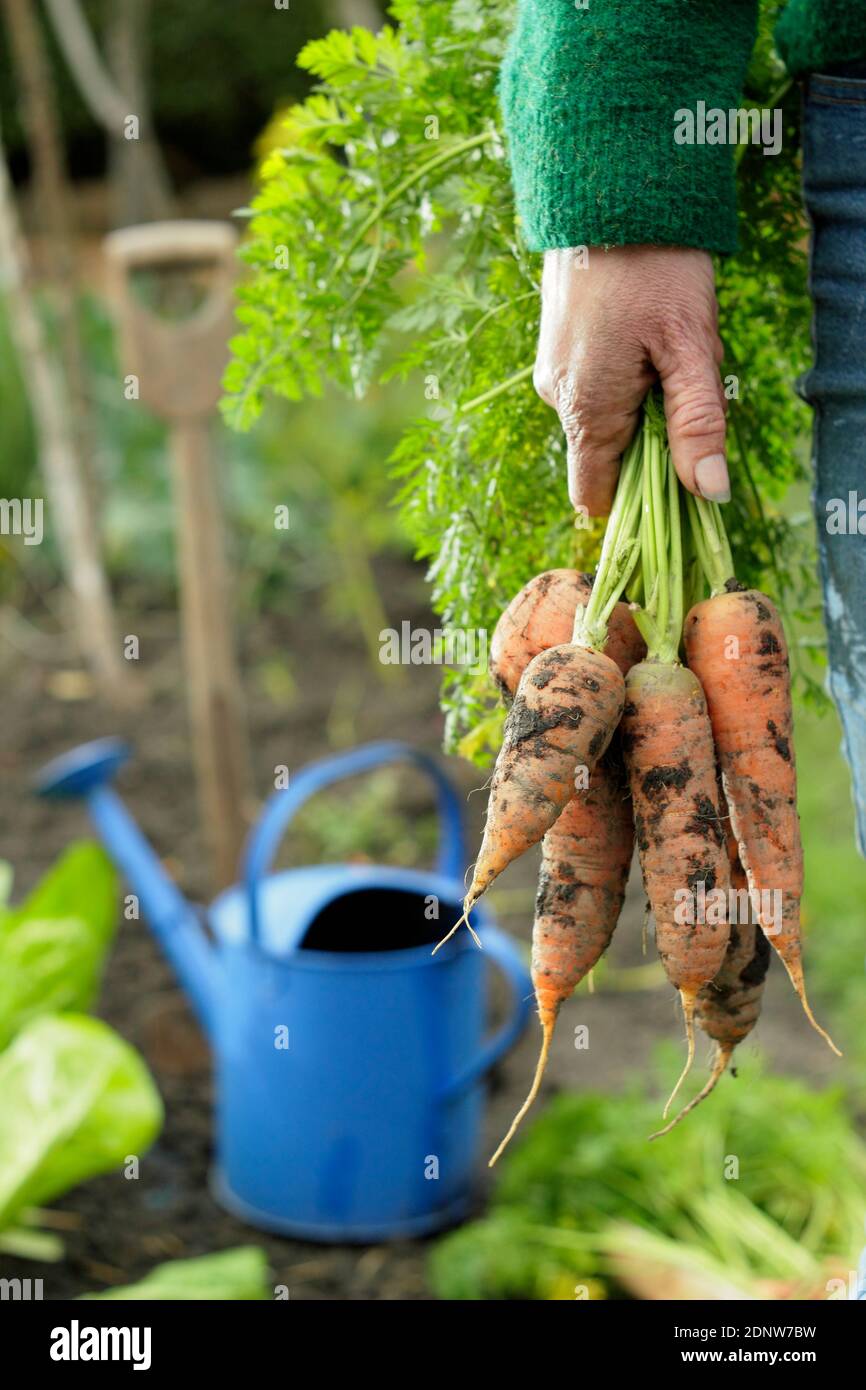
(379, 919)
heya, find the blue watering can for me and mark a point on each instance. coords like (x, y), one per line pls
(349, 1059)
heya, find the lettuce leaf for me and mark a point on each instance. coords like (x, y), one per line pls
(75, 1101)
(53, 946)
(229, 1275)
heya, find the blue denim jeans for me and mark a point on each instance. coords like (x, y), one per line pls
(834, 180)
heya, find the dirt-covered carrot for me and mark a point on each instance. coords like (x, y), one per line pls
(736, 647)
(729, 1006)
(668, 747)
(542, 616)
(586, 854)
(567, 705)
(566, 708)
(585, 859)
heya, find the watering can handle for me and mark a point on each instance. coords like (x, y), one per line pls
(499, 948)
(282, 806)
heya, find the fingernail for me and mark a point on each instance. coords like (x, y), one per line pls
(711, 476)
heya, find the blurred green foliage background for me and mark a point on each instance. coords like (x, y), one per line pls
(218, 70)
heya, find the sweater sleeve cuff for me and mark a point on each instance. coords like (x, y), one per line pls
(816, 34)
(597, 106)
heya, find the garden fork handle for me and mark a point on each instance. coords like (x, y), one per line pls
(214, 690)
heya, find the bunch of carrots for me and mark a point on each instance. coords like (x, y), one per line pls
(664, 720)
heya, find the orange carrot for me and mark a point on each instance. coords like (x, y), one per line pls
(728, 1007)
(568, 703)
(542, 615)
(668, 748)
(586, 854)
(736, 646)
(585, 859)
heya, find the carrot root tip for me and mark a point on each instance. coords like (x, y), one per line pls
(816, 1025)
(795, 974)
(464, 917)
(548, 1021)
(723, 1056)
(688, 998)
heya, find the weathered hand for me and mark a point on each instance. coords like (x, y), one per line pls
(613, 322)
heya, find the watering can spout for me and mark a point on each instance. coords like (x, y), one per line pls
(86, 773)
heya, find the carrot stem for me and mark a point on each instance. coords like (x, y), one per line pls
(694, 581)
(676, 580)
(696, 531)
(657, 522)
(645, 616)
(619, 552)
(711, 542)
(660, 620)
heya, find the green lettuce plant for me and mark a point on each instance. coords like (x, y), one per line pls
(76, 1100)
(53, 945)
(226, 1276)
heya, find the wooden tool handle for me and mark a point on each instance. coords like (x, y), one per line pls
(156, 244)
(214, 689)
(179, 362)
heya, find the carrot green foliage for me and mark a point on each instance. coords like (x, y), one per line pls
(383, 244)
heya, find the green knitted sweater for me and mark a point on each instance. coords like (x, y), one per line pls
(592, 93)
